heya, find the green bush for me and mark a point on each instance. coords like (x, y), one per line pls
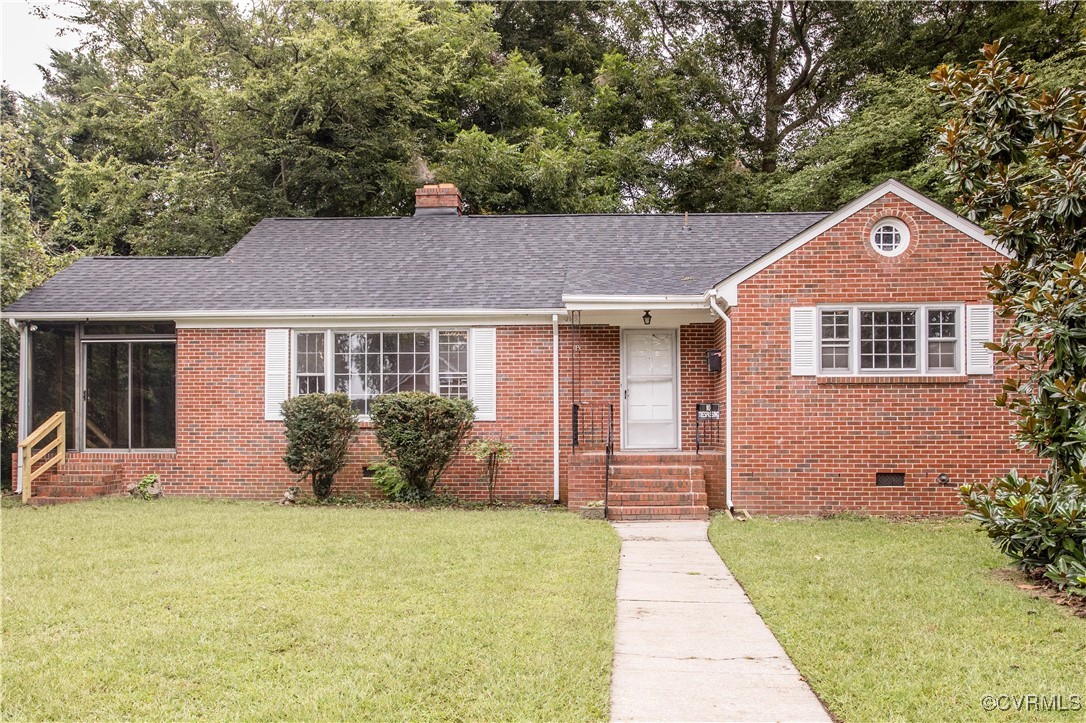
(319, 429)
(388, 479)
(1034, 525)
(420, 434)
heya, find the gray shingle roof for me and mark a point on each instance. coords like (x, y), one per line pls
(471, 262)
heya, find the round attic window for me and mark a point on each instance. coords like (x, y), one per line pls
(890, 236)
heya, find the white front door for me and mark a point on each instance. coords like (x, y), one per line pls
(650, 386)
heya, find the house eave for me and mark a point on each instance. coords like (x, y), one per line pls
(589, 302)
(262, 317)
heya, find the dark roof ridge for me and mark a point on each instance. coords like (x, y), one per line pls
(103, 257)
(669, 214)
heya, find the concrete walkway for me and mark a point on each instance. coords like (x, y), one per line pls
(688, 643)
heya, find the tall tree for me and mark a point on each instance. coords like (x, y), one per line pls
(27, 258)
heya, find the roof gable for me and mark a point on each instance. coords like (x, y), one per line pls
(727, 288)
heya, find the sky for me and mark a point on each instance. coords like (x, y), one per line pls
(25, 41)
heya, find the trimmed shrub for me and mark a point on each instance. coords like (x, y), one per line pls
(319, 429)
(420, 434)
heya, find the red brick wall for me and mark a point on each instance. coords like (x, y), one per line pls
(805, 444)
(595, 368)
(225, 447)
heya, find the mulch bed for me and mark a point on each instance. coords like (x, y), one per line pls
(1037, 586)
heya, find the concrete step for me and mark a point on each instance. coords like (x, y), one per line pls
(658, 512)
(658, 499)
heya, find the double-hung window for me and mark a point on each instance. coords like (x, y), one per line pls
(367, 364)
(902, 340)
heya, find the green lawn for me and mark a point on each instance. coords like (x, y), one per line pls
(185, 609)
(904, 621)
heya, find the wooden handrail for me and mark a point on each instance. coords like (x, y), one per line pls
(57, 425)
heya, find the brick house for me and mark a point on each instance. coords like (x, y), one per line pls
(780, 363)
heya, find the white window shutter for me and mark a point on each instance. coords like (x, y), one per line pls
(276, 371)
(483, 368)
(979, 329)
(804, 341)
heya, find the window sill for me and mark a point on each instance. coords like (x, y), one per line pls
(896, 379)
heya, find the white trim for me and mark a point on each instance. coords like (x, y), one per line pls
(23, 420)
(727, 401)
(268, 317)
(588, 302)
(898, 225)
(329, 354)
(624, 388)
(922, 369)
(556, 452)
(727, 288)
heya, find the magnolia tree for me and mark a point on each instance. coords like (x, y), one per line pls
(1017, 157)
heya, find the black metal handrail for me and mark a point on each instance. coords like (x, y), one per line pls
(609, 451)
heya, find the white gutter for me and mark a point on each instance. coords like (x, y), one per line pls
(554, 352)
(727, 400)
(273, 314)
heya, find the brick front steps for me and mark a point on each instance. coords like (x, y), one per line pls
(657, 487)
(77, 480)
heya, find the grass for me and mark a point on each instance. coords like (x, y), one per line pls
(904, 620)
(184, 609)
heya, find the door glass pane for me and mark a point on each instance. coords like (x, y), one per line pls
(107, 395)
(153, 395)
(52, 375)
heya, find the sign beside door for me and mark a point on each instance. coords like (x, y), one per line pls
(650, 386)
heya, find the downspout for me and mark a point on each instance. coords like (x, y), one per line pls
(727, 399)
(554, 353)
(24, 386)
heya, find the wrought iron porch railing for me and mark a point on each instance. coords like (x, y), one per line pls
(590, 425)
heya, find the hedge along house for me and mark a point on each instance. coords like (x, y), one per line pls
(665, 364)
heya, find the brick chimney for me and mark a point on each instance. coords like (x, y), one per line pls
(438, 199)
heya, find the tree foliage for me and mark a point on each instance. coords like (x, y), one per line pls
(1017, 158)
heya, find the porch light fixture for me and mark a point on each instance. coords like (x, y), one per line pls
(647, 318)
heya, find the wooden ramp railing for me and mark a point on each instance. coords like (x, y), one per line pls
(57, 425)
